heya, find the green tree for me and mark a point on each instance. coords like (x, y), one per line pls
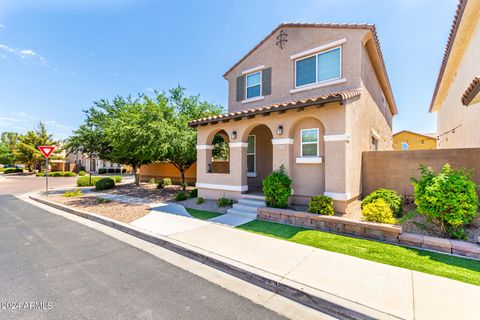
(87, 139)
(26, 150)
(6, 156)
(181, 139)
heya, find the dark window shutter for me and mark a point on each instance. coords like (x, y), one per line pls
(267, 82)
(240, 88)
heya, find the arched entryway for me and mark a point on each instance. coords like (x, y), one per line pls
(219, 161)
(258, 156)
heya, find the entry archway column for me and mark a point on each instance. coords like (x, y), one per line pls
(238, 164)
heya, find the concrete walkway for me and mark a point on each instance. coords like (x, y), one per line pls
(362, 285)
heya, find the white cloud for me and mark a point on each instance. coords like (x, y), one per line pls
(21, 122)
(23, 54)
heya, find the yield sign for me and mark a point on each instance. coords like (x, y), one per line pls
(46, 150)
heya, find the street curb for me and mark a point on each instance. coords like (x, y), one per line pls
(296, 294)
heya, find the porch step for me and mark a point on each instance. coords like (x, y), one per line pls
(253, 196)
(247, 207)
(237, 212)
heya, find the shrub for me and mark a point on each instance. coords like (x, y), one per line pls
(160, 184)
(277, 188)
(151, 181)
(391, 197)
(200, 200)
(81, 173)
(378, 211)
(224, 202)
(167, 182)
(74, 193)
(85, 181)
(57, 174)
(102, 171)
(104, 184)
(193, 193)
(322, 205)
(180, 196)
(103, 200)
(448, 198)
(12, 170)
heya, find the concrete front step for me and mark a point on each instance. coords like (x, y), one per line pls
(252, 203)
(242, 213)
(245, 208)
(253, 196)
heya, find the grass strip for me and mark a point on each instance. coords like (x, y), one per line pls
(202, 214)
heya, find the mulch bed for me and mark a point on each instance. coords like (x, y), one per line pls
(123, 212)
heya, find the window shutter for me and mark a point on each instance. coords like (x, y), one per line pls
(240, 88)
(267, 82)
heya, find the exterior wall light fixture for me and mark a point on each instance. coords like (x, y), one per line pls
(280, 130)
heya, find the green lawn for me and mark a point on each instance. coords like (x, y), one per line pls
(456, 268)
(202, 214)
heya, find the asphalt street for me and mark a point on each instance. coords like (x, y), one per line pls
(54, 268)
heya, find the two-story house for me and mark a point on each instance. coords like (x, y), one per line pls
(311, 97)
(456, 98)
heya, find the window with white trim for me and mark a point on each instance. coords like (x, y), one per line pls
(251, 150)
(309, 140)
(374, 146)
(320, 67)
(253, 85)
(404, 145)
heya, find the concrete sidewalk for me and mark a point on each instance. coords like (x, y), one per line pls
(365, 286)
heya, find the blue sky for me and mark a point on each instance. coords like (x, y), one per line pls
(58, 56)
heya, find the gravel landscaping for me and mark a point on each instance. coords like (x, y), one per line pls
(147, 191)
(208, 205)
(123, 212)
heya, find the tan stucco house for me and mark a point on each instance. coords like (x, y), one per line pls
(311, 97)
(456, 98)
(408, 140)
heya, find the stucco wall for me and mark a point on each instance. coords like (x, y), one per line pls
(166, 170)
(453, 112)
(393, 170)
(283, 74)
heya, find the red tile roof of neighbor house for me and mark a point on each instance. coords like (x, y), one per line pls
(472, 90)
(451, 38)
(340, 96)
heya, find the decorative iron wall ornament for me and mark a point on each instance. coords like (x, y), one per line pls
(281, 38)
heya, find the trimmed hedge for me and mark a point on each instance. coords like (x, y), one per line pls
(82, 173)
(391, 197)
(378, 211)
(180, 196)
(321, 205)
(104, 184)
(12, 170)
(84, 181)
(193, 193)
(57, 174)
(224, 202)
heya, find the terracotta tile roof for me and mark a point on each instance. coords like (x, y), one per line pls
(340, 96)
(364, 26)
(451, 38)
(472, 91)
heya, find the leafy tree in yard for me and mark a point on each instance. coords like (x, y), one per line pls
(181, 139)
(6, 156)
(88, 139)
(26, 150)
(221, 150)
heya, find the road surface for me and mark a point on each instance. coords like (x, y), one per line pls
(54, 268)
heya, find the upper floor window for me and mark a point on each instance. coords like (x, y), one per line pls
(309, 142)
(321, 67)
(254, 85)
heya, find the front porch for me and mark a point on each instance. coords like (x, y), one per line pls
(311, 143)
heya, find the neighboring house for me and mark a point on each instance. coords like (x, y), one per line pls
(408, 140)
(82, 161)
(310, 97)
(456, 97)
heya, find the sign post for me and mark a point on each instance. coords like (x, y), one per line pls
(47, 151)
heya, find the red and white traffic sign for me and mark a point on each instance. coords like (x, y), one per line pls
(46, 150)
